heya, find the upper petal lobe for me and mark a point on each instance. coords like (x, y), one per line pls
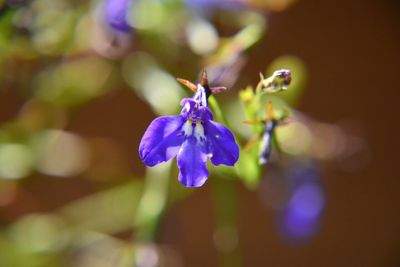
(162, 140)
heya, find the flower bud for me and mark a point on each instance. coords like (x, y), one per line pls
(279, 81)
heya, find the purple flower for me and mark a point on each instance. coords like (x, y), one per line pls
(215, 3)
(192, 137)
(116, 14)
(301, 217)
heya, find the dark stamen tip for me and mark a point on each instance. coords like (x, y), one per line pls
(204, 79)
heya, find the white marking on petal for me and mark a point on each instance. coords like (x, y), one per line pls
(199, 132)
(188, 128)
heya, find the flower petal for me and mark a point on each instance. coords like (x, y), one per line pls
(162, 140)
(204, 114)
(221, 144)
(188, 105)
(192, 158)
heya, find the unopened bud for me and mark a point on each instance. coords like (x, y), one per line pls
(279, 81)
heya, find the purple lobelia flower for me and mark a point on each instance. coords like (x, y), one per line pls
(116, 14)
(192, 136)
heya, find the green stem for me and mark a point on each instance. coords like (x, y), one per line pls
(226, 232)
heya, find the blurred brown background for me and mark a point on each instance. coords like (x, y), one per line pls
(351, 52)
(351, 49)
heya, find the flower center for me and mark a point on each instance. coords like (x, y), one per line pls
(199, 131)
(194, 128)
(188, 128)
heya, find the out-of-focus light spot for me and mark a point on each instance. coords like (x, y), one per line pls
(356, 154)
(353, 152)
(35, 115)
(147, 256)
(61, 153)
(251, 34)
(95, 250)
(38, 233)
(156, 86)
(152, 202)
(328, 141)
(226, 239)
(16, 161)
(227, 69)
(141, 19)
(300, 218)
(332, 142)
(52, 25)
(297, 227)
(91, 33)
(294, 138)
(135, 66)
(73, 82)
(45, 41)
(118, 203)
(215, 3)
(162, 91)
(202, 36)
(307, 201)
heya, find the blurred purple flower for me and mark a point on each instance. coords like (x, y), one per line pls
(301, 217)
(116, 14)
(215, 3)
(192, 136)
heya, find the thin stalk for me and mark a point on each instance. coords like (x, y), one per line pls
(226, 238)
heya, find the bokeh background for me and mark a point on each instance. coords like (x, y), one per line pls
(73, 110)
